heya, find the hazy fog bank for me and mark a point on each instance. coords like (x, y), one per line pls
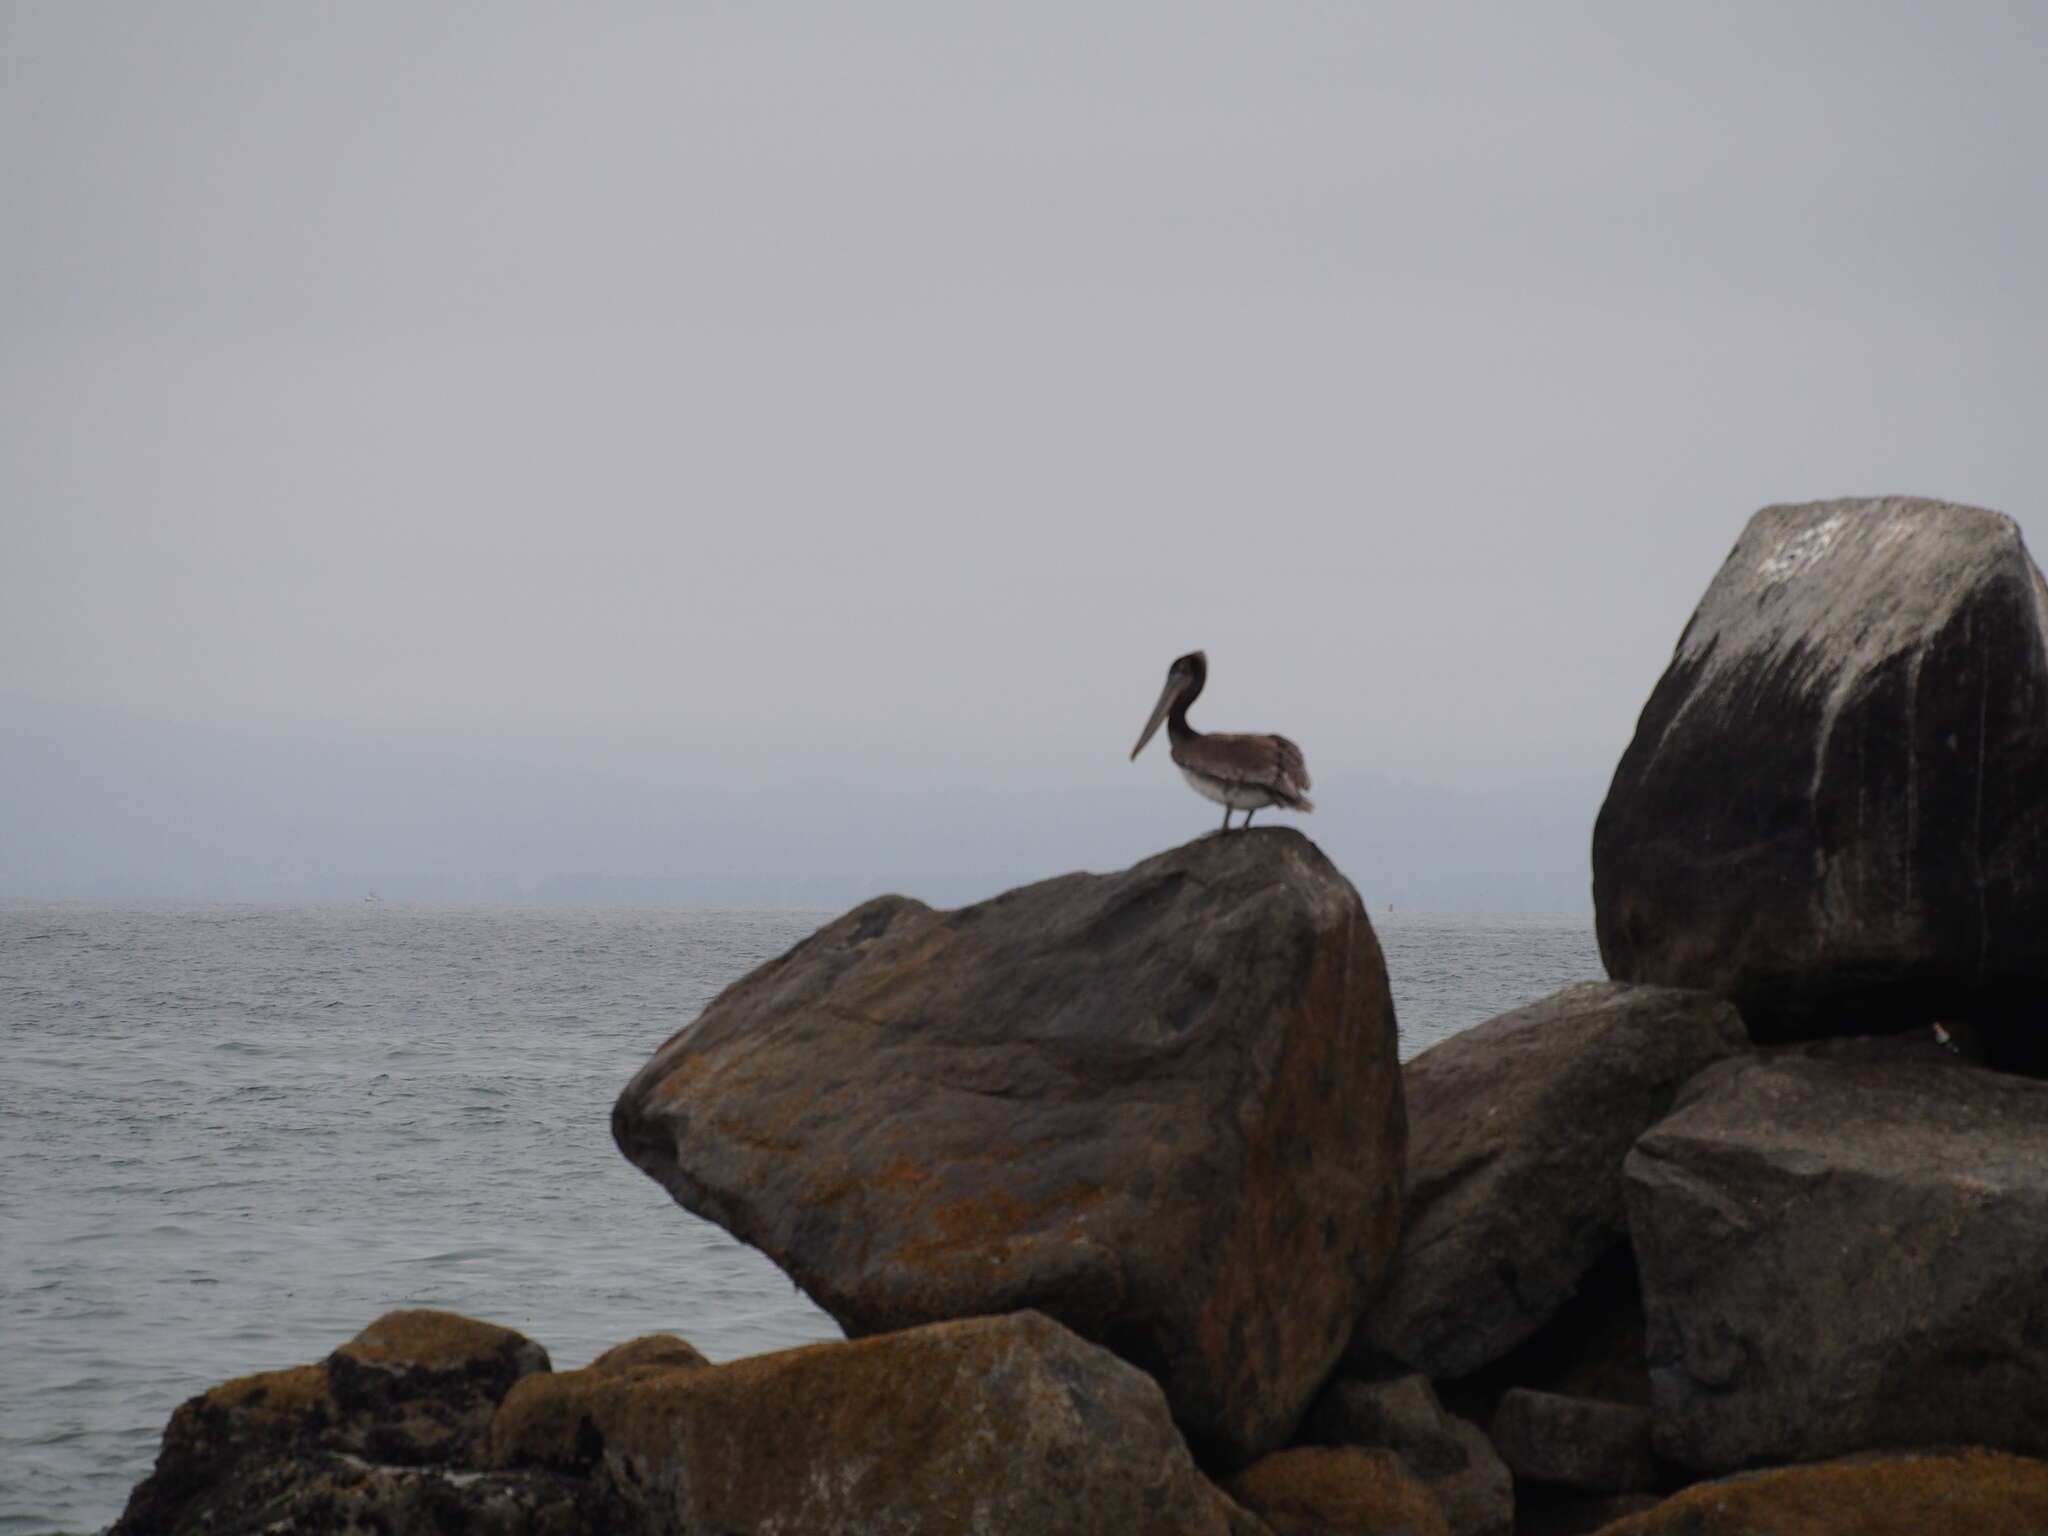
(101, 806)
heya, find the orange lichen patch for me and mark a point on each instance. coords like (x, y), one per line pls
(431, 1340)
(901, 1174)
(1338, 1491)
(822, 1189)
(273, 1394)
(989, 1223)
(860, 1377)
(677, 1080)
(782, 1130)
(1986, 1493)
(880, 992)
(911, 1189)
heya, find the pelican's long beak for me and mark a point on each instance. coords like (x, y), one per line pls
(1166, 697)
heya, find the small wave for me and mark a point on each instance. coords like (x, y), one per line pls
(455, 1256)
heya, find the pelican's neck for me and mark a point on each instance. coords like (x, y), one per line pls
(1177, 728)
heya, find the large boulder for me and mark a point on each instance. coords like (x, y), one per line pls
(1845, 1250)
(1835, 806)
(1163, 1106)
(416, 1387)
(1517, 1131)
(988, 1424)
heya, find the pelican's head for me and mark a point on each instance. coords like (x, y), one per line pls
(1184, 680)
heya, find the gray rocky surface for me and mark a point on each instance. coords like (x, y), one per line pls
(1840, 1254)
(1517, 1131)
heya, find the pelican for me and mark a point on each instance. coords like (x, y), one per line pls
(1240, 773)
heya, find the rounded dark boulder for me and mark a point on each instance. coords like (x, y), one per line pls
(1835, 807)
(1163, 1106)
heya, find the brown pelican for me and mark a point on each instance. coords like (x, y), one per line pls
(1240, 773)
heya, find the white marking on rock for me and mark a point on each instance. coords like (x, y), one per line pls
(1836, 588)
(1801, 550)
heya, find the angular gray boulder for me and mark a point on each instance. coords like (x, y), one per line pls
(1517, 1131)
(1845, 1252)
(1835, 806)
(1162, 1106)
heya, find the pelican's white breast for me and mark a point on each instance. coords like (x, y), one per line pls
(1235, 793)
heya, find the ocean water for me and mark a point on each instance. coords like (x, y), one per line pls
(233, 1134)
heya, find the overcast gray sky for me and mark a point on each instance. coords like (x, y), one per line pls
(759, 401)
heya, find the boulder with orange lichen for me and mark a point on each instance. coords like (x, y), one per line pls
(1955, 1492)
(413, 1388)
(997, 1424)
(1163, 1106)
(1338, 1491)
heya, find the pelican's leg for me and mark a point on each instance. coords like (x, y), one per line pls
(1248, 816)
(1226, 818)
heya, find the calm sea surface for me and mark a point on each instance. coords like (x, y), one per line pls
(234, 1134)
